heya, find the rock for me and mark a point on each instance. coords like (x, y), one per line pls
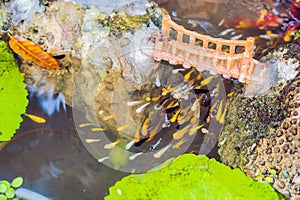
(94, 57)
(24, 10)
(261, 134)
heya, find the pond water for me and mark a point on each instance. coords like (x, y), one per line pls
(52, 158)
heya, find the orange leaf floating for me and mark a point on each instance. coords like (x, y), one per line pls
(30, 51)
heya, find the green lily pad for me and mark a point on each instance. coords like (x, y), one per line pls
(17, 182)
(10, 193)
(5, 182)
(13, 94)
(3, 188)
(3, 197)
(192, 177)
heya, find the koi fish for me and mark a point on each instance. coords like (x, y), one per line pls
(35, 118)
(212, 111)
(109, 117)
(178, 144)
(174, 117)
(154, 146)
(204, 82)
(145, 126)
(141, 108)
(175, 71)
(222, 119)
(173, 104)
(130, 144)
(219, 112)
(195, 129)
(240, 23)
(134, 156)
(112, 145)
(268, 19)
(157, 81)
(188, 75)
(122, 128)
(97, 129)
(134, 103)
(162, 151)
(84, 125)
(92, 140)
(180, 133)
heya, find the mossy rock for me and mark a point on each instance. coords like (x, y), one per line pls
(191, 177)
(13, 94)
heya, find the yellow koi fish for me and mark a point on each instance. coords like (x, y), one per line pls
(145, 126)
(122, 128)
(195, 129)
(207, 80)
(109, 117)
(174, 117)
(219, 113)
(84, 125)
(97, 129)
(178, 144)
(230, 94)
(180, 133)
(137, 135)
(173, 104)
(35, 118)
(111, 145)
(188, 75)
(222, 118)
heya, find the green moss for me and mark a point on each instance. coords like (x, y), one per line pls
(13, 94)
(191, 177)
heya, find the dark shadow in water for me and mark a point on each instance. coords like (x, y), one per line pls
(53, 161)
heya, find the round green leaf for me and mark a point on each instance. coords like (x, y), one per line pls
(17, 182)
(6, 183)
(192, 177)
(2, 197)
(12, 94)
(15, 199)
(3, 188)
(10, 193)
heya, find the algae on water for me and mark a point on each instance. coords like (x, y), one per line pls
(13, 94)
(192, 177)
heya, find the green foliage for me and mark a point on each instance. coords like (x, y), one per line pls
(297, 36)
(7, 190)
(13, 94)
(191, 177)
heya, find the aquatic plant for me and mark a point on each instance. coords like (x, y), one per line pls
(7, 190)
(191, 177)
(12, 94)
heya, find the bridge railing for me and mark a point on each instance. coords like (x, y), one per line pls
(231, 58)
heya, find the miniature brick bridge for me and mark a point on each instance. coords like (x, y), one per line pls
(231, 58)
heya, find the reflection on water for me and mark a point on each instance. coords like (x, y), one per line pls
(233, 19)
(49, 102)
(53, 161)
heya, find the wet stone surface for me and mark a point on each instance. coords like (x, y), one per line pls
(261, 133)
